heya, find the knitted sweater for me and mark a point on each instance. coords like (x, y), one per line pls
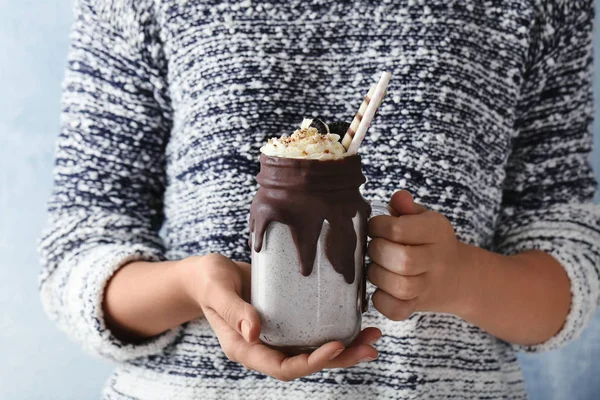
(166, 104)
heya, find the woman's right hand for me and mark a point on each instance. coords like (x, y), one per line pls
(221, 288)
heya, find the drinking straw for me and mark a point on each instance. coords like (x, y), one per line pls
(356, 121)
(369, 114)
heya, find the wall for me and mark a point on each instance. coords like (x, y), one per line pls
(36, 360)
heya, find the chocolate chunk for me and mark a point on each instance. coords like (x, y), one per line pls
(321, 126)
(339, 127)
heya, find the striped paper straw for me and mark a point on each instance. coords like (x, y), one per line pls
(369, 114)
(356, 121)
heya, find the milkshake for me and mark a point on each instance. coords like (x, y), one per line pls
(308, 232)
(308, 239)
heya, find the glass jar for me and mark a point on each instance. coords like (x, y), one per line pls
(308, 226)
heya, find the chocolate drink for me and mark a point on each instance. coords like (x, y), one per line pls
(308, 237)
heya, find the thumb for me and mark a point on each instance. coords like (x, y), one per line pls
(403, 203)
(237, 313)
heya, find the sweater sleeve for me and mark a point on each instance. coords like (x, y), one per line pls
(549, 186)
(106, 205)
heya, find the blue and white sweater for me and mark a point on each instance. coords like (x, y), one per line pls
(166, 104)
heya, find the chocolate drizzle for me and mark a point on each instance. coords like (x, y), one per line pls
(301, 194)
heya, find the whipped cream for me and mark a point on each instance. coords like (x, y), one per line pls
(307, 143)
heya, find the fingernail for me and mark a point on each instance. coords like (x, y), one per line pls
(337, 353)
(366, 359)
(373, 341)
(246, 330)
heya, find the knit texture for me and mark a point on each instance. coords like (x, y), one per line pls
(165, 107)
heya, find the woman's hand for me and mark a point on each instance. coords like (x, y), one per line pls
(416, 260)
(419, 265)
(220, 286)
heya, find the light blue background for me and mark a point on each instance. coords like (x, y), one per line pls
(36, 360)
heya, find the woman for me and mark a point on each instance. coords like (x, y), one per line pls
(486, 123)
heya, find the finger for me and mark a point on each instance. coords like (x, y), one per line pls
(400, 259)
(229, 339)
(400, 286)
(403, 202)
(391, 307)
(360, 350)
(425, 228)
(246, 270)
(238, 314)
(367, 336)
(278, 365)
(354, 355)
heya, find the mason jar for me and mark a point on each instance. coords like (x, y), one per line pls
(308, 225)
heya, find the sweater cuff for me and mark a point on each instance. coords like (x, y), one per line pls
(579, 262)
(84, 295)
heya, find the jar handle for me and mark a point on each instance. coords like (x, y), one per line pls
(381, 208)
(377, 208)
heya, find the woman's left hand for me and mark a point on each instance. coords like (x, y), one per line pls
(416, 260)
